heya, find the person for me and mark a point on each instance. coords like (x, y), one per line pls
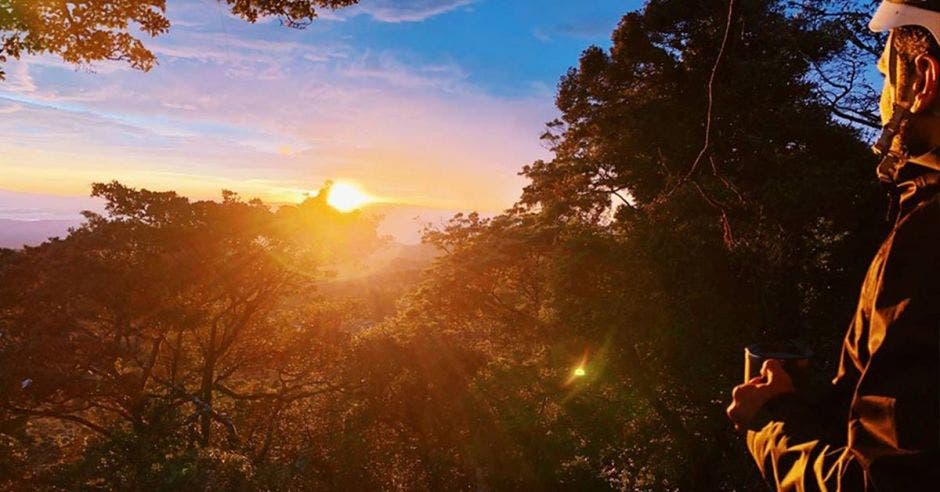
(876, 426)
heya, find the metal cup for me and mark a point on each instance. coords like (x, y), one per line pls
(794, 357)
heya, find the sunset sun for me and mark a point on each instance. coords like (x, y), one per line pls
(346, 197)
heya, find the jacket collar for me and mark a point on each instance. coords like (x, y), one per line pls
(916, 184)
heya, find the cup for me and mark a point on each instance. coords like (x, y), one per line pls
(795, 358)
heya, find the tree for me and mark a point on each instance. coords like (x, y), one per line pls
(703, 194)
(171, 328)
(85, 31)
(844, 81)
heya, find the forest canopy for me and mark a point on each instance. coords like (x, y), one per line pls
(709, 184)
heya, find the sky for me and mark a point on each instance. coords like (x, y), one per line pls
(430, 105)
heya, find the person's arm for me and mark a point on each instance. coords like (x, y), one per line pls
(893, 423)
(879, 422)
(799, 443)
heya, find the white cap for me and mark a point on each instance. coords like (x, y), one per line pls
(892, 14)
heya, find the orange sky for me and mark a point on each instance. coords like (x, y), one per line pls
(426, 104)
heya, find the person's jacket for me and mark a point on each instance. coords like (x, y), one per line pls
(876, 427)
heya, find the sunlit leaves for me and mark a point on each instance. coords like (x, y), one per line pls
(83, 31)
(166, 322)
(86, 31)
(294, 13)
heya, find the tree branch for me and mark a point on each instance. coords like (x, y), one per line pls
(62, 416)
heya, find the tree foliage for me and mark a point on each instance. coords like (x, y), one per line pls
(86, 31)
(845, 81)
(659, 240)
(705, 190)
(168, 327)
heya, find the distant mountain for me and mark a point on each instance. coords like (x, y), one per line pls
(18, 205)
(30, 218)
(17, 233)
(405, 222)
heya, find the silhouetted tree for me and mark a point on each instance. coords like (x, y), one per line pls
(845, 81)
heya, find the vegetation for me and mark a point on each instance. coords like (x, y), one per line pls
(705, 191)
(86, 31)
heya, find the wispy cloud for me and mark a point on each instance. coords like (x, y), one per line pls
(9, 107)
(390, 124)
(19, 79)
(541, 35)
(390, 70)
(268, 111)
(253, 58)
(409, 10)
(584, 28)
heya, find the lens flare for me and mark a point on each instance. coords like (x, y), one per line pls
(579, 371)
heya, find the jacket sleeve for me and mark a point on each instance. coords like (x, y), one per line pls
(877, 424)
(893, 421)
(799, 443)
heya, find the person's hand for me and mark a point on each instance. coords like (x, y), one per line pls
(747, 398)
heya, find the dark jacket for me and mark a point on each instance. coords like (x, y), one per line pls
(876, 426)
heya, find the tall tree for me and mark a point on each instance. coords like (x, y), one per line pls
(847, 82)
(703, 194)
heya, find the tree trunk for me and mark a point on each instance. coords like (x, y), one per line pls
(205, 394)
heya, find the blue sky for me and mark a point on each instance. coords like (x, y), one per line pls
(427, 104)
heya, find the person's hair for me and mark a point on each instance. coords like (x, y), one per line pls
(913, 41)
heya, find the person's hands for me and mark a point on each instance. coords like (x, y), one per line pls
(747, 398)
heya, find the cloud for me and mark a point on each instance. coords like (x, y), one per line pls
(585, 28)
(409, 10)
(269, 111)
(202, 14)
(183, 107)
(417, 133)
(40, 122)
(30, 206)
(246, 56)
(19, 79)
(9, 107)
(389, 70)
(185, 23)
(26, 71)
(541, 35)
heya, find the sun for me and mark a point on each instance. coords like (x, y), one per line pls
(346, 197)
